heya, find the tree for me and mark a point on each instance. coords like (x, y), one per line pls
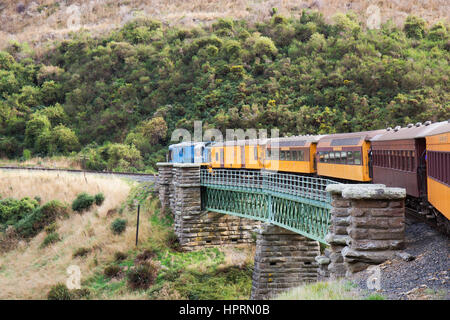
(37, 125)
(64, 140)
(154, 129)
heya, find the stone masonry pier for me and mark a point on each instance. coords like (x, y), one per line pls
(367, 226)
(180, 191)
(283, 260)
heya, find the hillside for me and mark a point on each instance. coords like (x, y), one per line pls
(113, 101)
(32, 265)
(40, 21)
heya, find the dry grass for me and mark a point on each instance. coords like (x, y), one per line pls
(47, 21)
(327, 290)
(58, 162)
(29, 271)
(62, 186)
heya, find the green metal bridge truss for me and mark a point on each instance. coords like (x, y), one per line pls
(297, 203)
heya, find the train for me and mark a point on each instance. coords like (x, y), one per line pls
(415, 157)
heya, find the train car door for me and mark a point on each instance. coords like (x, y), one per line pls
(421, 166)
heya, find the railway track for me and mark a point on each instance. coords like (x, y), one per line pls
(439, 224)
(140, 177)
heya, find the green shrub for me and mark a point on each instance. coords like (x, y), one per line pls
(83, 202)
(78, 294)
(59, 292)
(12, 210)
(145, 255)
(36, 221)
(223, 24)
(99, 198)
(51, 228)
(26, 154)
(50, 239)
(81, 252)
(142, 276)
(64, 140)
(118, 226)
(120, 256)
(173, 242)
(111, 271)
(375, 296)
(414, 27)
(278, 19)
(438, 32)
(34, 128)
(264, 46)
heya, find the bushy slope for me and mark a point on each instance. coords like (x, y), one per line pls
(33, 264)
(118, 98)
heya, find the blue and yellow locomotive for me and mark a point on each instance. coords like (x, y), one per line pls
(190, 152)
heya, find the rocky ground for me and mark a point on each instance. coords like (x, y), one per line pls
(424, 277)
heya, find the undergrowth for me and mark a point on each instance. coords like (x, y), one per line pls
(157, 269)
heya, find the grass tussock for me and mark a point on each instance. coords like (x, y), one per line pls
(323, 290)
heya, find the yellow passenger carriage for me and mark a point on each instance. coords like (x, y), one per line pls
(291, 154)
(345, 155)
(438, 168)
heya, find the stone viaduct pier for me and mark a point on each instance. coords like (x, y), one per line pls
(288, 217)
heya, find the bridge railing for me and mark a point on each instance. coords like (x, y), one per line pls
(298, 203)
(276, 182)
(236, 179)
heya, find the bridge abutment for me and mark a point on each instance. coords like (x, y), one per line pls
(367, 226)
(283, 260)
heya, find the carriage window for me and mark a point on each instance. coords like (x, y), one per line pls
(301, 155)
(294, 155)
(350, 159)
(288, 155)
(357, 157)
(255, 153)
(282, 155)
(337, 157)
(436, 166)
(321, 156)
(331, 157)
(217, 156)
(343, 157)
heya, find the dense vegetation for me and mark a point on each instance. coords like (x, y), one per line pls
(27, 217)
(114, 101)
